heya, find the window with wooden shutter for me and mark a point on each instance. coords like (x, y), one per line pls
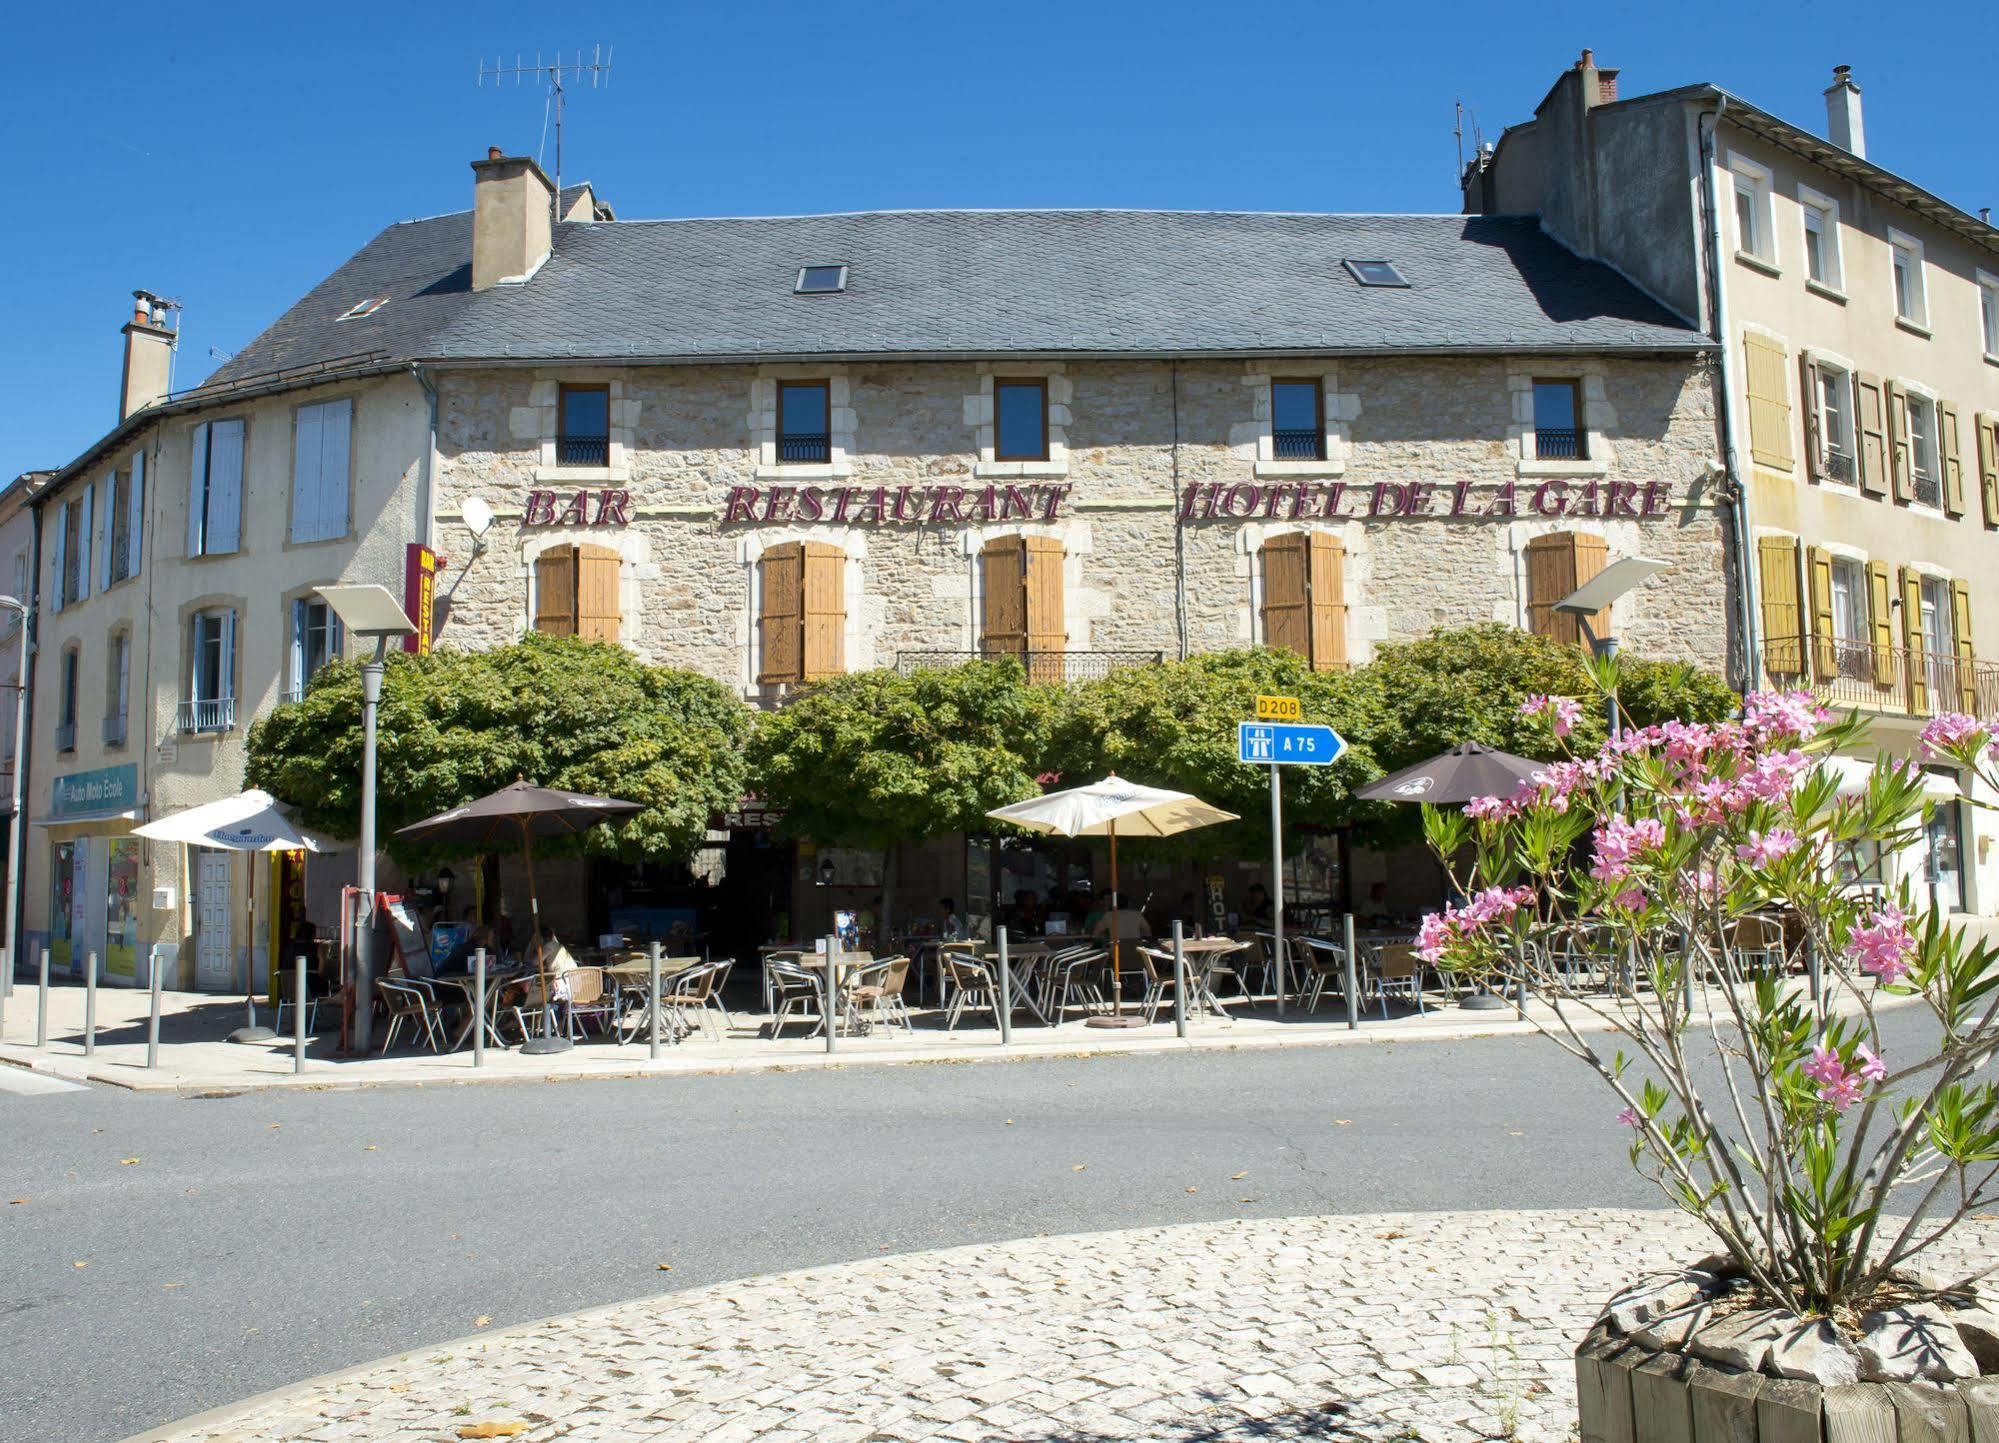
(1783, 617)
(1960, 635)
(1881, 615)
(1003, 597)
(1872, 425)
(781, 620)
(1286, 605)
(1900, 468)
(1988, 466)
(599, 609)
(1556, 565)
(824, 622)
(1326, 582)
(1825, 633)
(1914, 645)
(1809, 394)
(1769, 401)
(1950, 459)
(1047, 626)
(555, 591)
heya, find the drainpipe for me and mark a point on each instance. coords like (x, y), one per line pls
(17, 840)
(426, 495)
(1750, 591)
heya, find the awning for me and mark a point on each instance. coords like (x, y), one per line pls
(1853, 773)
(81, 823)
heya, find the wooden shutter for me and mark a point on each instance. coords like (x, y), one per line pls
(1556, 565)
(336, 442)
(1047, 626)
(60, 585)
(225, 487)
(1871, 425)
(1960, 635)
(1825, 654)
(1783, 618)
(1951, 458)
(1809, 398)
(197, 489)
(1915, 660)
(599, 608)
(1286, 594)
(1003, 587)
(308, 425)
(781, 624)
(1326, 590)
(1899, 469)
(555, 591)
(1881, 613)
(1988, 466)
(824, 613)
(83, 530)
(1769, 402)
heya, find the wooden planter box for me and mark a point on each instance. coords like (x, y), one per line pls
(1629, 1393)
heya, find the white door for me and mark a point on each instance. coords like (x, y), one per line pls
(214, 961)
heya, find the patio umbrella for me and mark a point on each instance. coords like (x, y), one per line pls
(1467, 771)
(251, 821)
(1103, 809)
(521, 812)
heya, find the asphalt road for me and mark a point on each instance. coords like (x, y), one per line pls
(161, 1256)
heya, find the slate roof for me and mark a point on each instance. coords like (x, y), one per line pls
(955, 283)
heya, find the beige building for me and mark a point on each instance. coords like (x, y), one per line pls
(1860, 316)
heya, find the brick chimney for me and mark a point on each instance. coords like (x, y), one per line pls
(1599, 86)
(1842, 112)
(149, 354)
(512, 202)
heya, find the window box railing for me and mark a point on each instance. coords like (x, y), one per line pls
(1558, 443)
(1892, 679)
(798, 447)
(1307, 445)
(583, 450)
(1042, 667)
(114, 730)
(66, 736)
(217, 714)
(1927, 490)
(1840, 466)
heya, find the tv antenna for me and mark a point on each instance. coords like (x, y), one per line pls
(557, 74)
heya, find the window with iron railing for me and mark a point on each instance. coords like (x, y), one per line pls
(1558, 428)
(583, 426)
(1925, 481)
(216, 714)
(114, 730)
(804, 422)
(1297, 421)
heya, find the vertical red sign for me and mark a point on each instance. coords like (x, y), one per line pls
(419, 594)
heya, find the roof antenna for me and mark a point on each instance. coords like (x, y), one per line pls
(1458, 132)
(556, 74)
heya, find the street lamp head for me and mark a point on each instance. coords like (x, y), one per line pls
(1609, 584)
(367, 610)
(14, 604)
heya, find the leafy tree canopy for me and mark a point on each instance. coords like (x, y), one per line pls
(584, 716)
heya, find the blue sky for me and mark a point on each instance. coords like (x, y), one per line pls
(232, 155)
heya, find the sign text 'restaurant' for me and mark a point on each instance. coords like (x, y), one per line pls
(1293, 500)
(894, 505)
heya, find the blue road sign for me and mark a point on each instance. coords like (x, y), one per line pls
(1308, 745)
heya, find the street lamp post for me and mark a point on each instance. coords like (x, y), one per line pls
(1596, 595)
(367, 611)
(17, 835)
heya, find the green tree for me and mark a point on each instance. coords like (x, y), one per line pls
(585, 716)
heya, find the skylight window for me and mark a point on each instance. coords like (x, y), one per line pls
(820, 280)
(1375, 273)
(364, 308)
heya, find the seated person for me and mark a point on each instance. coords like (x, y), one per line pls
(1026, 920)
(1128, 921)
(1256, 908)
(952, 927)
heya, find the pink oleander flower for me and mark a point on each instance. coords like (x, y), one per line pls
(1872, 1068)
(1825, 1065)
(1563, 712)
(1884, 945)
(1631, 897)
(1630, 1118)
(1955, 734)
(1479, 808)
(1768, 715)
(1763, 848)
(1618, 842)
(1838, 1085)
(1440, 932)
(1842, 1092)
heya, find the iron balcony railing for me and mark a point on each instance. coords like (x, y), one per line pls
(1840, 466)
(1928, 490)
(1045, 667)
(583, 450)
(1558, 443)
(1297, 445)
(114, 730)
(1844, 672)
(800, 447)
(66, 736)
(216, 714)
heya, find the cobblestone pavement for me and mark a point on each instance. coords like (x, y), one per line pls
(1434, 1326)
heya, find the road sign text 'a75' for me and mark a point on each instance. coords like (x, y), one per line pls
(1309, 745)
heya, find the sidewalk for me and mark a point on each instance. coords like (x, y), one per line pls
(194, 1058)
(1438, 1326)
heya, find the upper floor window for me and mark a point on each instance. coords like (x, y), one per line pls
(215, 489)
(1911, 296)
(118, 690)
(71, 529)
(576, 592)
(1754, 235)
(118, 548)
(804, 421)
(1558, 428)
(1923, 450)
(315, 640)
(211, 674)
(66, 701)
(1832, 451)
(320, 467)
(1020, 420)
(801, 612)
(583, 426)
(1822, 252)
(1297, 420)
(1988, 313)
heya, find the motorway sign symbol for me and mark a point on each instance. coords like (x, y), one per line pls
(1308, 745)
(1279, 709)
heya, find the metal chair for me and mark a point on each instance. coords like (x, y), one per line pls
(1399, 969)
(1073, 973)
(877, 989)
(1160, 979)
(1325, 963)
(405, 1002)
(792, 986)
(694, 995)
(970, 984)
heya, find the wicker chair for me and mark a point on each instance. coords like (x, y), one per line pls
(875, 991)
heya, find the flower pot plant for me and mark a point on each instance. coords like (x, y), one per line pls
(1697, 909)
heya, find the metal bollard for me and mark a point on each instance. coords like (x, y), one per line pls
(1353, 976)
(1005, 1008)
(832, 993)
(42, 1004)
(652, 1001)
(153, 1013)
(6, 985)
(1179, 978)
(298, 1015)
(90, 1004)
(479, 1007)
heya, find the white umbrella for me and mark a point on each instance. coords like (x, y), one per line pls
(251, 821)
(1103, 809)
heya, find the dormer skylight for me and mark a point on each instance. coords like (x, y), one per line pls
(821, 279)
(1375, 273)
(363, 308)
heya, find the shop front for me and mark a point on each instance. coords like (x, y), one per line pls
(94, 875)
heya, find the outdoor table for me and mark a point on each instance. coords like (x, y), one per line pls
(635, 979)
(1025, 960)
(465, 983)
(1202, 954)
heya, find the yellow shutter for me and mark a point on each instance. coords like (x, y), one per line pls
(1769, 401)
(555, 591)
(1809, 397)
(1825, 654)
(1286, 622)
(780, 625)
(825, 611)
(1556, 565)
(1327, 589)
(1988, 466)
(1951, 458)
(1967, 656)
(1003, 608)
(598, 607)
(1898, 443)
(1881, 613)
(1871, 425)
(1916, 660)
(1047, 627)
(1592, 555)
(1783, 618)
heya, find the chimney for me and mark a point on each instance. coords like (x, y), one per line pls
(511, 204)
(149, 354)
(1842, 112)
(1599, 86)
